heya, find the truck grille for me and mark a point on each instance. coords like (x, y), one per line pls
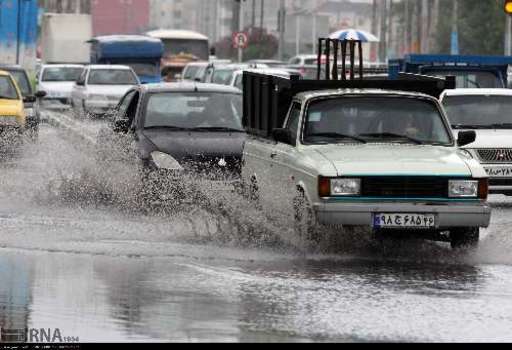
(495, 155)
(405, 187)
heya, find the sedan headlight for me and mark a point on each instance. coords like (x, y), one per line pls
(165, 161)
(333, 187)
(463, 188)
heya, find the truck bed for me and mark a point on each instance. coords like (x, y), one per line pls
(267, 98)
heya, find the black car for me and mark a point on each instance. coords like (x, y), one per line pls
(183, 129)
(29, 96)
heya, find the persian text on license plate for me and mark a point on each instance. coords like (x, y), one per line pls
(499, 171)
(422, 221)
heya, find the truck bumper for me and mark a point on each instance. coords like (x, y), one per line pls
(447, 215)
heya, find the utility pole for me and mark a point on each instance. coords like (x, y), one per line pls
(241, 29)
(383, 31)
(424, 26)
(281, 27)
(253, 14)
(455, 28)
(390, 28)
(375, 28)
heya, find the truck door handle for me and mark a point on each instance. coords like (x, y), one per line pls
(273, 155)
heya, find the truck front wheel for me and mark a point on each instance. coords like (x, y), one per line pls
(465, 238)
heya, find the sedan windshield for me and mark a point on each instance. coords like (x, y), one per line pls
(194, 111)
(223, 76)
(112, 77)
(479, 112)
(375, 119)
(61, 74)
(7, 89)
(470, 79)
(22, 81)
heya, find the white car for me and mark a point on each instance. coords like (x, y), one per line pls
(381, 159)
(58, 80)
(237, 78)
(489, 113)
(100, 88)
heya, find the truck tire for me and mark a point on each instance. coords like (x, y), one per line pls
(305, 221)
(465, 238)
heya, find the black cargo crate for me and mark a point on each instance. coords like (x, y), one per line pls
(267, 98)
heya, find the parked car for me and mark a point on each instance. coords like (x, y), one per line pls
(194, 71)
(13, 120)
(237, 78)
(385, 160)
(182, 129)
(223, 74)
(30, 98)
(269, 63)
(487, 112)
(100, 87)
(58, 80)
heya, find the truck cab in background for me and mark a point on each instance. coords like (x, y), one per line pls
(469, 71)
(142, 53)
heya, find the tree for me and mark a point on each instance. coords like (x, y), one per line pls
(481, 27)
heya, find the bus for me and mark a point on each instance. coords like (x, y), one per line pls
(180, 48)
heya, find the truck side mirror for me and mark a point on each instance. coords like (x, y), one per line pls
(282, 135)
(466, 137)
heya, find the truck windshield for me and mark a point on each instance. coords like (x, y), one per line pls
(111, 77)
(7, 89)
(22, 81)
(194, 111)
(197, 48)
(479, 112)
(375, 119)
(60, 74)
(470, 79)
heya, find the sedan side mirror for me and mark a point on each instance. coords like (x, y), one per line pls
(41, 94)
(282, 135)
(466, 137)
(121, 125)
(29, 99)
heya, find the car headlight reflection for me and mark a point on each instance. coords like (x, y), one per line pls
(165, 161)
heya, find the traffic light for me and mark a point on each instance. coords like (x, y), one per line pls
(508, 7)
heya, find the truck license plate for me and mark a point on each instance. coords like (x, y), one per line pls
(421, 221)
(499, 171)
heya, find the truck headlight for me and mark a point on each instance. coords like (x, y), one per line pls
(463, 188)
(165, 161)
(333, 187)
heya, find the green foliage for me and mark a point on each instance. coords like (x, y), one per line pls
(481, 27)
(261, 45)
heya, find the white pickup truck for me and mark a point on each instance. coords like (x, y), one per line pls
(359, 157)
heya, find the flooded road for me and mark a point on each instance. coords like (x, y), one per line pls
(76, 254)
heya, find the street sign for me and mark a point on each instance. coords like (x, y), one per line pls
(240, 40)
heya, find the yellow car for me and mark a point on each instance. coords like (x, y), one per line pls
(12, 113)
